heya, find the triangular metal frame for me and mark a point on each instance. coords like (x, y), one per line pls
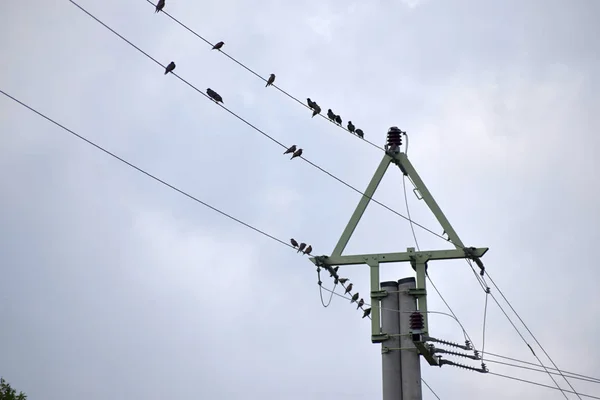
(418, 259)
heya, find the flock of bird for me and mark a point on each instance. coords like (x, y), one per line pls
(296, 152)
(316, 109)
(307, 249)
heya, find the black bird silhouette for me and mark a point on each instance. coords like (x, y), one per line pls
(361, 303)
(360, 133)
(218, 46)
(354, 298)
(348, 289)
(291, 149)
(160, 5)
(297, 153)
(330, 114)
(308, 250)
(293, 242)
(301, 247)
(341, 280)
(271, 80)
(338, 119)
(170, 67)
(214, 95)
(367, 312)
(333, 271)
(351, 126)
(310, 103)
(316, 110)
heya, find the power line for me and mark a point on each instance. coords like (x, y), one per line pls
(534, 338)
(256, 128)
(258, 75)
(429, 387)
(148, 174)
(542, 385)
(591, 378)
(542, 371)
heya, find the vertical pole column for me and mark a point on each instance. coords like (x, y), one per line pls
(390, 353)
(410, 362)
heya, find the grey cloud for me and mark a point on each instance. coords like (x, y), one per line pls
(114, 286)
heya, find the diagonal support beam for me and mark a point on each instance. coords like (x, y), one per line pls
(362, 206)
(407, 169)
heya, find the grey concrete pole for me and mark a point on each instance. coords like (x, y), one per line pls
(391, 364)
(410, 361)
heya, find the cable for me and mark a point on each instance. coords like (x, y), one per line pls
(180, 191)
(536, 365)
(542, 371)
(542, 385)
(483, 330)
(429, 387)
(532, 335)
(525, 341)
(258, 75)
(255, 128)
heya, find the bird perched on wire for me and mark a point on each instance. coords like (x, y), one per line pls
(366, 312)
(308, 250)
(310, 103)
(301, 247)
(293, 242)
(160, 5)
(290, 150)
(338, 119)
(360, 133)
(330, 114)
(218, 46)
(214, 95)
(316, 110)
(351, 126)
(341, 280)
(297, 153)
(271, 80)
(333, 271)
(354, 298)
(348, 289)
(361, 303)
(170, 67)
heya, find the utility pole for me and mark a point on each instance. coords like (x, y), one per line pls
(399, 309)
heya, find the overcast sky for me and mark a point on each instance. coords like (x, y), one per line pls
(113, 286)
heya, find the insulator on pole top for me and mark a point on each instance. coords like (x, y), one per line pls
(394, 139)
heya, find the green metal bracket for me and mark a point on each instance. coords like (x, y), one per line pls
(418, 259)
(427, 354)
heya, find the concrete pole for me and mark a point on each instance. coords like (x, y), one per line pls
(410, 362)
(391, 364)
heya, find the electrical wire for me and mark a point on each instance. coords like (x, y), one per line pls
(256, 128)
(536, 365)
(429, 387)
(542, 385)
(148, 174)
(483, 330)
(258, 75)
(532, 335)
(542, 371)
